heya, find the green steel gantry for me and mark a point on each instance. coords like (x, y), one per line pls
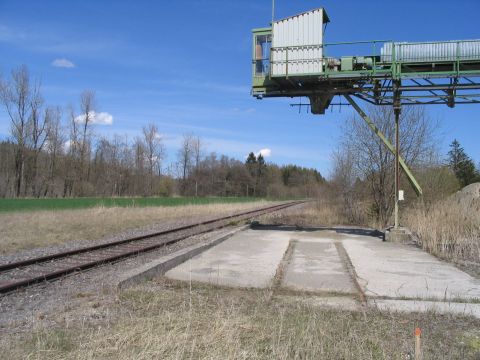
(391, 74)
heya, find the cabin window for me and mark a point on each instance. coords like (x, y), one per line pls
(263, 43)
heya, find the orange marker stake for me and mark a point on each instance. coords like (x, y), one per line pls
(418, 348)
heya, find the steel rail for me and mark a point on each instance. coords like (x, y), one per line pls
(59, 255)
(8, 286)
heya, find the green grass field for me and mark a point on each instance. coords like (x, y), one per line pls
(9, 205)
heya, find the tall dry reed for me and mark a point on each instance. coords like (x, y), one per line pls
(449, 228)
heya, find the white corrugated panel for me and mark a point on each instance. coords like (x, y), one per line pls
(428, 52)
(297, 44)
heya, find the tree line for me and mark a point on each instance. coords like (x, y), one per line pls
(55, 152)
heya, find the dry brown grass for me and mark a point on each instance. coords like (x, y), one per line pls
(23, 230)
(208, 323)
(449, 228)
(316, 213)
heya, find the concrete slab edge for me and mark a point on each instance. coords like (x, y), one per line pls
(162, 265)
(408, 306)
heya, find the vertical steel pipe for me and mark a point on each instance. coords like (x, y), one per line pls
(397, 165)
(397, 108)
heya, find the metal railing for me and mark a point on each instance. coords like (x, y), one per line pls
(461, 50)
(386, 56)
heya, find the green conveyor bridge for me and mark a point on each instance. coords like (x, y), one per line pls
(416, 80)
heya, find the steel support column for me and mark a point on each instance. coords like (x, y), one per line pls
(397, 109)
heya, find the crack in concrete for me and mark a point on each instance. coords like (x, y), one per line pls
(282, 266)
(347, 262)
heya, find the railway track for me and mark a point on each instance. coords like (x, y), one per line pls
(27, 272)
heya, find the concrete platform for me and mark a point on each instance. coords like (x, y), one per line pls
(397, 270)
(316, 266)
(392, 276)
(247, 259)
(251, 259)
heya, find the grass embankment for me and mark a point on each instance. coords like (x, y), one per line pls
(29, 229)
(180, 322)
(9, 205)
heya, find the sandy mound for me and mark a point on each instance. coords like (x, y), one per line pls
(469, 197)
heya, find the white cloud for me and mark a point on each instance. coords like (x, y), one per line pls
(67, 145)
(264, 152)
(64, 63)
(101, 118)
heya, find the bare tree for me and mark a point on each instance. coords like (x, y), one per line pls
(79, 145)
(197, 147)
(141, 184)
(126, 167)
(185, 158)
(18, 96)
(73, 154)
(37, 135)
(54, 144)
(87, 108)
(154, 152)
(7, 154)
(345, 175)
(372, 162)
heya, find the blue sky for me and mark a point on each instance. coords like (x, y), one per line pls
(185, 65)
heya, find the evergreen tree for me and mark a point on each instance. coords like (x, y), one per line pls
(251, 159)
(461, 164)
(261, 176)
(251, 165)
(261, 165)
